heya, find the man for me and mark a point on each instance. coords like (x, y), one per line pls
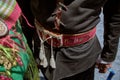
(66, 30)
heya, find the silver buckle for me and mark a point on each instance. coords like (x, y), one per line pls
(3, 28)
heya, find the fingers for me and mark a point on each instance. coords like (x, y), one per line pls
(102, 70)
(103, 67)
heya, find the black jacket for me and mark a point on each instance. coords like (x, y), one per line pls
(81, 15)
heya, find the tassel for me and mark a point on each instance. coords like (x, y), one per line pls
(52, 62)
(41, 47)
(41, 53)
(41, 62)
(42, 56)
(43, 59)
(45, 63)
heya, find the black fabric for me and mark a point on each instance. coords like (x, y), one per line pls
(86, 75)
(111, 12)
(71, 60)
(27, 30)
(81, 16)
(26, 9)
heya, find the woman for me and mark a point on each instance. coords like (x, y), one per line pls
(16, 59)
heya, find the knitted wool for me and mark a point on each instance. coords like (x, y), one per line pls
(9, 12)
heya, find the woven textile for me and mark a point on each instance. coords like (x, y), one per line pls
(9, 12)
(13, 46)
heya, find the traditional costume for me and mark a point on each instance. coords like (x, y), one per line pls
(67, 32)
(16, 59)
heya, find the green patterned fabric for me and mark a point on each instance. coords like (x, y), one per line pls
(17, 72)
(17, 64)
(29, 69)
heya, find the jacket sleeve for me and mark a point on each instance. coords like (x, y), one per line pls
(111, 12)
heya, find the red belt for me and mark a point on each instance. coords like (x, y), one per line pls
(66, 40)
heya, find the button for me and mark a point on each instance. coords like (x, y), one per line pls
(3, 28)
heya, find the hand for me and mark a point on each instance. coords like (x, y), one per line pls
(103, 67)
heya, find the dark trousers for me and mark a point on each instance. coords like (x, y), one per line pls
(86, 75)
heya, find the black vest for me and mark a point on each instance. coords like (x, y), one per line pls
(81, 15)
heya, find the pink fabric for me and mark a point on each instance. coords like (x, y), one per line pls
(11, 20)
(71, 40)
(27, 21)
